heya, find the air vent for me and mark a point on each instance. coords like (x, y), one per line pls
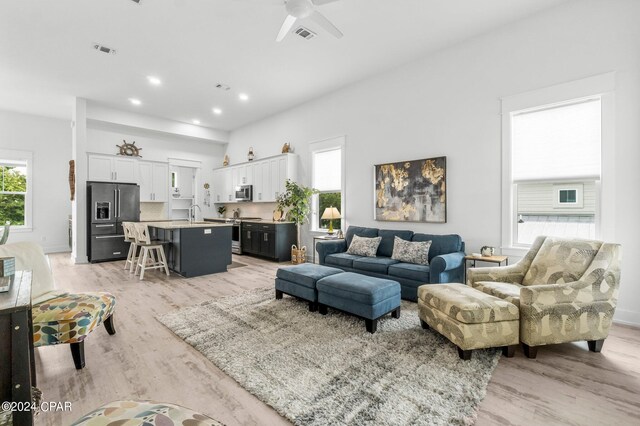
(103, 49)
(222, 87)
(305, 33)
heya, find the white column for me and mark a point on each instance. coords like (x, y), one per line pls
(79, 205)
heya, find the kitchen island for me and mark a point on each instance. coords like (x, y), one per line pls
(194, 249)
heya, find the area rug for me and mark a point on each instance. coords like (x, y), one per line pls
(327, 370)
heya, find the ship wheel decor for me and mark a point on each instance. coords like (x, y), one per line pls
(129, 149)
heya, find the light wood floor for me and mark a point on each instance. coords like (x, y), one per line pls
(566, 384)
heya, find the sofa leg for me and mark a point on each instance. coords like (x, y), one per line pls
(77, 352)
(509, 351)
(530, 351)
(110, 325)
(372, 325)
(278, 294)
(322, 309)
(595, 345)
(464, 355)
(396, 312)
(424, 324)
(313, 306)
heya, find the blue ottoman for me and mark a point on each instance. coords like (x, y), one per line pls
(300, 281)
(367, 297)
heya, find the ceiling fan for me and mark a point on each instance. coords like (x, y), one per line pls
(302, 9)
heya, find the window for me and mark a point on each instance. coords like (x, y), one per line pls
(327, 160)
(15, 196)
(552, 162)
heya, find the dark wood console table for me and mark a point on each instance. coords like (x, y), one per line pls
(18, 372)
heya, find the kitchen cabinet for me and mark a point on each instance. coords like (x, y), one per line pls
(154, 181)
(109, 168)
(270, 240)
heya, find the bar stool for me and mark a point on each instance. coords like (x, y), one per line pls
(151, 252)
(130, 236)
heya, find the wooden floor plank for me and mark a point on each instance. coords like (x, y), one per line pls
(566, 384)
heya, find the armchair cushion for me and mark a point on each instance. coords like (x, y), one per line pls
(561, 261)
(506, 291)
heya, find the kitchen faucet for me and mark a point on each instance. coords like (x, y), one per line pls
(192, 211)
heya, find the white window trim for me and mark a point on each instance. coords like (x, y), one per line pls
(601, 86)
(27, 156)
(328, 145)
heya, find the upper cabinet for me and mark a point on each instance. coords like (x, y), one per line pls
(154, 181)
(107, 168)
(267, 176)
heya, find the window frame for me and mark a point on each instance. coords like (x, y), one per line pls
(26, 157)
(600, 86)
(323, 146)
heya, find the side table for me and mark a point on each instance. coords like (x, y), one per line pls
(323, 238)
(491, 259)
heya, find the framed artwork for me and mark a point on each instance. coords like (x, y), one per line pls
(411, 191)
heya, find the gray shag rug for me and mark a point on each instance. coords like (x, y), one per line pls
(327, 370)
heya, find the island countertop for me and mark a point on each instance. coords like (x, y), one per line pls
(183, 224)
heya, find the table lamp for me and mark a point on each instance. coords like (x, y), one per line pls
(331, 213)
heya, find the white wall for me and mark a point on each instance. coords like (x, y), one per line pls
(50, 141)
(449, 104)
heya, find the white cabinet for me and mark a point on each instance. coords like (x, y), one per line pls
(154, 181)
(222, 186)
(107, 168)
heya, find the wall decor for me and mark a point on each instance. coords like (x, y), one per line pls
(411, 191)
(250, 155)
(129, 149)
(286, 148)
(225, 161)
(72, 179)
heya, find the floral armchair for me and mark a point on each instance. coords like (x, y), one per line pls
(566, 289)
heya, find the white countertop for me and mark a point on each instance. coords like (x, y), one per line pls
(185, 224)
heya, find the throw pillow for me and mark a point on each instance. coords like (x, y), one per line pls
(411, 251)
(363, 246)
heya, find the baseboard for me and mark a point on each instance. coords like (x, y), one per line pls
(627, 317)
(57, 249)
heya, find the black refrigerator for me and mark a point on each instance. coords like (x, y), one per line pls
(108, 205)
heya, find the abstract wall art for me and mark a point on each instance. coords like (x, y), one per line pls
(411, 191)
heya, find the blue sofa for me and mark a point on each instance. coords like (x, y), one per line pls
(446, 259)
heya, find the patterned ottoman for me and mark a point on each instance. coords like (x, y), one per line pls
(469, 318)
(300, 281)
(144, 413)
(367, 297)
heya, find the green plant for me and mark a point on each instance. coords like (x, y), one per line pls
(222, 210)
(296, 202)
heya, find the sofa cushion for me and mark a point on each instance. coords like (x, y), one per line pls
(387, 243)
(373, 264)
(507, 291)
(361, 232)
(359, 288)
(364, 246)
(306, 274)
(411, 251)
(410, 271)
(561, 261)
(440, 244)
(466, 304)
(341, 259)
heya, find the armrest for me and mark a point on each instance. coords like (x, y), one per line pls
(581, 292)
(325, 248)
(513, 274)
(444, 262)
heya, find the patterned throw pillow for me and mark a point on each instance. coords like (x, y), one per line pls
(411, 251)
(363, 246)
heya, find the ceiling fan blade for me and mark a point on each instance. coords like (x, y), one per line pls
(286, 27)
(320, 19)
(321, 2)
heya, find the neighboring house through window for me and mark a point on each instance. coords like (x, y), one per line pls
(327, 175)
(15, 188)
(552, 161)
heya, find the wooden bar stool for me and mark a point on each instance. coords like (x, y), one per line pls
(131, 236)
(151, 252)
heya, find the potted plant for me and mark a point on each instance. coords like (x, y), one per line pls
(296, 201)
(222, 210)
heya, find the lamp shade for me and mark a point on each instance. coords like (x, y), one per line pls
(331, 213)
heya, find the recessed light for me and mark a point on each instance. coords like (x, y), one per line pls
(135, 101)
(243, 97)
(154, 80)
(196, 122)
(217, 111)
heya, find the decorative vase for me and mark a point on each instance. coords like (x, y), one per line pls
(298, 255)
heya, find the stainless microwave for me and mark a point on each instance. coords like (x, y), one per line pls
(244, 193)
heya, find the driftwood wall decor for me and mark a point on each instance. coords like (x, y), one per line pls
(72, 179)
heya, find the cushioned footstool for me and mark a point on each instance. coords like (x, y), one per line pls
(144, 413)
(367, 297)
(300, 281)
(469, 318)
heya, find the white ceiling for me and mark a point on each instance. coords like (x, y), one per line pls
(46, 58)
